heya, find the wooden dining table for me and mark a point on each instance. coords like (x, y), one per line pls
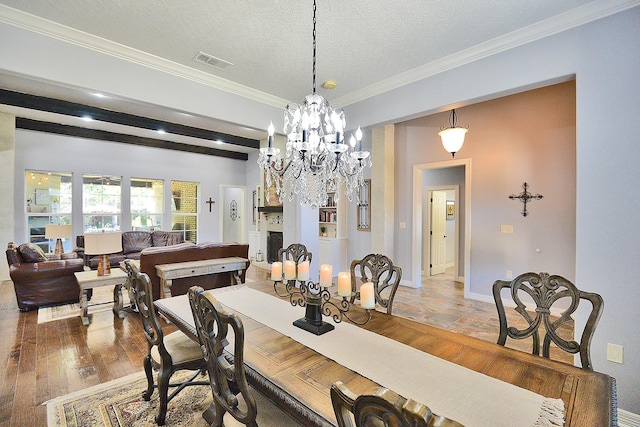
(299, 378)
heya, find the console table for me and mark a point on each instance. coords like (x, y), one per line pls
(90, 279)
(169, 272)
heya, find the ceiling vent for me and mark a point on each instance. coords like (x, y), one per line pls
(205, 58)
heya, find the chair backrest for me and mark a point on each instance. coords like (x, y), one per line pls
(227, 375)
(296, 252)
(140, 290)
(545, 291)
(379, 270)
(382, 407)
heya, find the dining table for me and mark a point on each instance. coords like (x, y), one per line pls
(472, 381)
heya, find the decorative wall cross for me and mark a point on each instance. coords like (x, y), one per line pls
(210, 202)
(524, 197)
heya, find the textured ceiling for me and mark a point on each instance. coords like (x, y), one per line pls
(366, 46)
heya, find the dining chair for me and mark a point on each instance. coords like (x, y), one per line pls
(379, 270)
(546, 293)
(167, 354)
(296, 252)
(382, 407)
(231, 392)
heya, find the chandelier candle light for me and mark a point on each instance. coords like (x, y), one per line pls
(316, 297)
(317, 161)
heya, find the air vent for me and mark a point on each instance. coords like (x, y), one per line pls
(205, 58)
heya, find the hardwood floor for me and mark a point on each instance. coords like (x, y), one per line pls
(43, 361)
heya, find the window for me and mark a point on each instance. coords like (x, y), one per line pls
(48, 201)
(184, 209)
(101, 202)
(146, 204)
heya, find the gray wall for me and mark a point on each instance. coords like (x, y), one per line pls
(604, 57)
(48, 152)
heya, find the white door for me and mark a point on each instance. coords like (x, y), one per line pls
(233, 214)
(438, 261)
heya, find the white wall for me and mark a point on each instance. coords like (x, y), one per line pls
(604, 57)
(44, 152)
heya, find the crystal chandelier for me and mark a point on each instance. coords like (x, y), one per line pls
(317, 161)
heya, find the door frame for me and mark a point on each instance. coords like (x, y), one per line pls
(426, 236)
(418, 218)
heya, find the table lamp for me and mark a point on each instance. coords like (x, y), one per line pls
(57, 232)
(103, 244)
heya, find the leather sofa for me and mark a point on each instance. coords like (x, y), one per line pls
(133, 242)
(188, 251)
(43, 281)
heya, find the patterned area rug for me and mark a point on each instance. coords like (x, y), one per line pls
(119, 403)
(102, 300)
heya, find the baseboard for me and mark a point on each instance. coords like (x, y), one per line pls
(409, 284)
(628, 419)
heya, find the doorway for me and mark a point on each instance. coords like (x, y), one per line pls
(421, 246)
(440, 237)
(232, 214)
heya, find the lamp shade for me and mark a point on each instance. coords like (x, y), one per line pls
(57, 231)
(102, 243)
(453, 138)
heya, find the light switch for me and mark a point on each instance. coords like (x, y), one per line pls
(508, 229)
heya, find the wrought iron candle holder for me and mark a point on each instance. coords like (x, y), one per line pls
(317, 301)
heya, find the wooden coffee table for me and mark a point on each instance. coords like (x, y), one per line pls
(90, 279)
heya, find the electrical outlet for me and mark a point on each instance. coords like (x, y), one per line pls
(614, 353)
(403, 225)
(509, 274)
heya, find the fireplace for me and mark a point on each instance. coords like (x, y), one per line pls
(274, 244)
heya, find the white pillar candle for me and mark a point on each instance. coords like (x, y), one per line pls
(289, 270)
(326, 272)
(303, 271)
(276, 271)
(344, 284)
(367, 300)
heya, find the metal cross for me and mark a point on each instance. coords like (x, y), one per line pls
(524, 197)
(210, 202)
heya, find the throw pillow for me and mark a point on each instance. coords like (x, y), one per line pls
(32, 253)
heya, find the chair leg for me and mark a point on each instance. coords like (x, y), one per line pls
(214, 414)
(150, 381)
(163, 390)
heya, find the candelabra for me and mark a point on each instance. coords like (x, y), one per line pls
(317, 302)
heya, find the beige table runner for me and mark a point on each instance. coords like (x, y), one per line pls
(456, 392)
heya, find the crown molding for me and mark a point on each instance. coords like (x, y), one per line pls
(565, 21)
(573, 18)
(66, 34)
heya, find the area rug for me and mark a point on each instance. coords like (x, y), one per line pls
(102, 300)
(119, 403)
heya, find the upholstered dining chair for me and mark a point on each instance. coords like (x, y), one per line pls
(167, 354)
(534, 295)
(295, 252)
(379, 270)
(382, 407)
(218, 329)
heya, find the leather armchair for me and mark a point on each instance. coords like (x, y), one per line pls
(43, 283)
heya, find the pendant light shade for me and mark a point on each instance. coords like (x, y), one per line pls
(453, 136)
